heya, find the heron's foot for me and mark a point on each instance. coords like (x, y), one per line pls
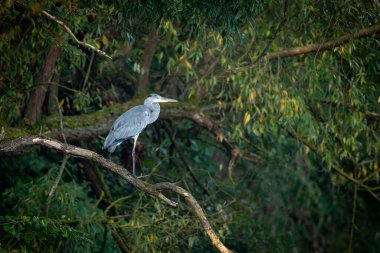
(142, 176)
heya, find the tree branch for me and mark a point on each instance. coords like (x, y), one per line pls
(87, 126)
(319, 47)
(154, 190)
(234, 151)
(68, 30)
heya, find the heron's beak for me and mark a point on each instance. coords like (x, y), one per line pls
(166, 100)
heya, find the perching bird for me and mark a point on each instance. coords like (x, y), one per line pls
(131, 123)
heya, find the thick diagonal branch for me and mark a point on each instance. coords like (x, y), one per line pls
(154, 190)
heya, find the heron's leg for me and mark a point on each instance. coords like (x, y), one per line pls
(133, 155)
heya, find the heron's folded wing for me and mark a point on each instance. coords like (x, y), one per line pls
(129, 124)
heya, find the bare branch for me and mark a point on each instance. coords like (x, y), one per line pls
(84, 87)
(86, 154)
(68, 30)
(154, 190)
(354, 200)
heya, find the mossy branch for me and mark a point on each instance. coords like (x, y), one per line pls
(93, 125)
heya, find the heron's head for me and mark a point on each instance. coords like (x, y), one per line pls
(155, 98)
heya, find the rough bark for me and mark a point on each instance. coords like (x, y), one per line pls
(53, 94)
(34, 108)
(146, 61)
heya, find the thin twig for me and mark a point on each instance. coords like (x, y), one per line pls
(84, 88)
(59, 85)
(353, 218)
(114, 203)
(357, 182)
(231, 163)
(60, 120)
(68, 30)
(63, 164)
(55, 184)
(99, 199)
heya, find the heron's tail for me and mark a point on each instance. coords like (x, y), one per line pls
(111, 143)
(108, 143)
(111, 148)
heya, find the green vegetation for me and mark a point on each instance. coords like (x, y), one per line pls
(295, 83)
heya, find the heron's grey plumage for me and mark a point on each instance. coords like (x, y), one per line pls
(132, 122)
(127, 126)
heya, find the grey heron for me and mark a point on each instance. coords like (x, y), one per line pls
(131, 123)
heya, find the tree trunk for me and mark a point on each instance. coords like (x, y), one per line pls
(34, 109)
(53, 94)
(146, 61)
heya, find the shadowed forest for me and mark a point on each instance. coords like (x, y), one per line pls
(273, 145)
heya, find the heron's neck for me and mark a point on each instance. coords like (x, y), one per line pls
(155, 110)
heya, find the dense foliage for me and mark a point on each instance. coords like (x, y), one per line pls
(312, 117)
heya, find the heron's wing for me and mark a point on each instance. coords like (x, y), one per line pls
(129, 124)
